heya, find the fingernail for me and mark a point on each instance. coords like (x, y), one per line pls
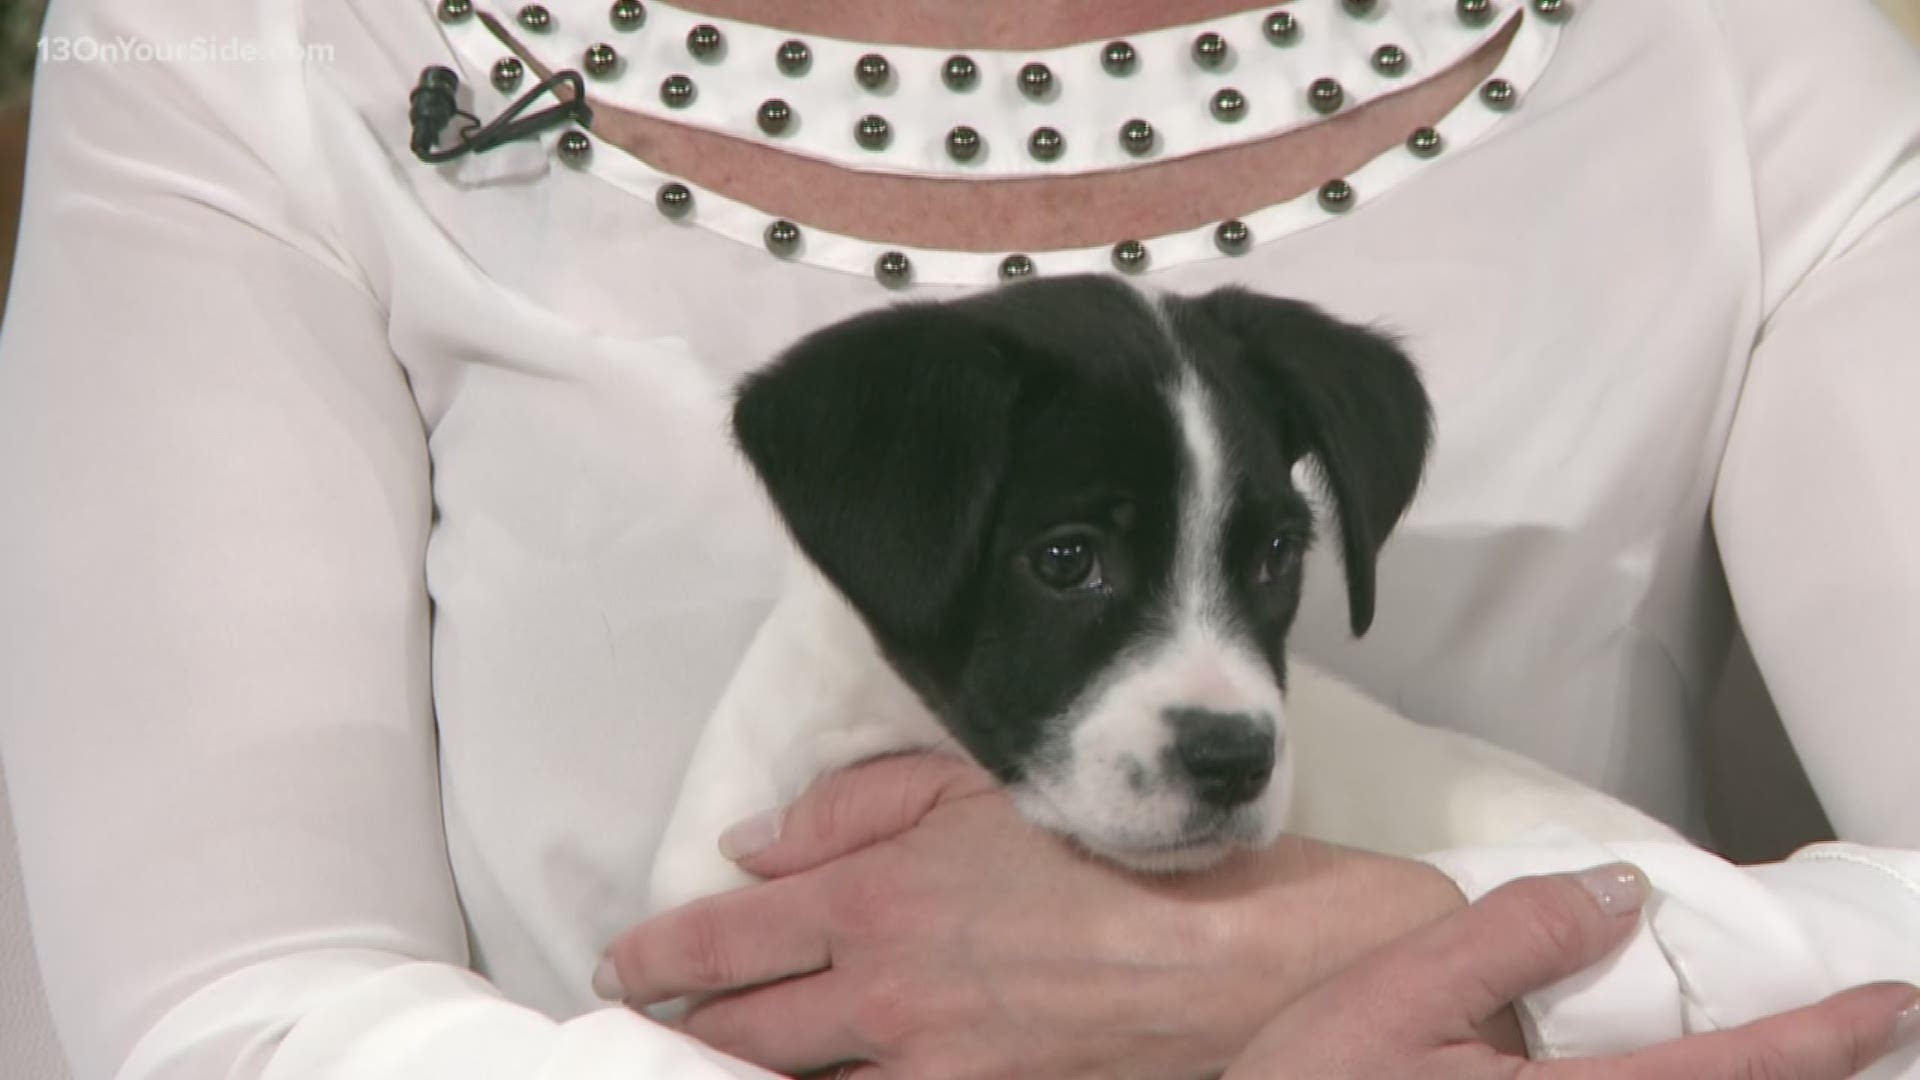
(606, 981)
(752, 836)
(1619, 888)
(1906, 1025)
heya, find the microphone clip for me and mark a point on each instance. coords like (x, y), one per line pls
(432, 106)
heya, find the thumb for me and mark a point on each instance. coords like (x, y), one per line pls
(1522, 936)
(849, 810)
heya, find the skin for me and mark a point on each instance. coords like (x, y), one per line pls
(915, 927)
(936, 933)
(1411, 1008)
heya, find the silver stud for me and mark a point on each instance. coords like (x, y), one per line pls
(575, 148)
(1015, 267)
(1118, 58)
(1210, 50)
(1553, 9)
(1046, 144)
(1036, 80)
(1360, 9)
(871, 71)
(1425, 142)
(535, 17)
(774, 116)
(600, 60)
(628, 15)
(1232, 237)
(959, 72)
(507, 72)
(677, 91)
(674, 200)
(1390, 60)
(783, 238)
(893, 269)
(963, 143)
(793, 57)
(1130, 256)
(453, 11)
(1325, 95)
(1336, 196)
(705, 43)
(1498, 94)
(873, 132)
(1474, 12)
(1136, 136)
(1228, 104)
(1281, 28)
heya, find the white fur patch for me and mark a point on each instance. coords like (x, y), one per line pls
(1108, 778)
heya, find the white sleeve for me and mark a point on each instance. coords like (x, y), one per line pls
(215, 703)
(1816, 510)
(1720, 945)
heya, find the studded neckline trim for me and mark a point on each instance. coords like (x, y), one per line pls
(1197, 87)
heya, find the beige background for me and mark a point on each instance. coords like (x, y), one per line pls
(1907, 14)
(1761, 804)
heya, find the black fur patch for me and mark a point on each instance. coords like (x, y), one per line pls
(922, 454)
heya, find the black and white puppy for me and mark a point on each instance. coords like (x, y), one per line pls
(1058, 525)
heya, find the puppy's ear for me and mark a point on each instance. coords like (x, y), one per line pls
(1352, 400)
(882, 441)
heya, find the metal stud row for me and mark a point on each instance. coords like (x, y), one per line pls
(964, 142)
(960, 72)
(1210, 50)
(894, 269)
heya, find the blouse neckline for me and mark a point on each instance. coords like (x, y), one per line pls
(1199, 87)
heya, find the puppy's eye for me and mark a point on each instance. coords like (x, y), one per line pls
(1066, 562)
(1280, 558)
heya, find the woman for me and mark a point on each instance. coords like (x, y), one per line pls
(286, 412)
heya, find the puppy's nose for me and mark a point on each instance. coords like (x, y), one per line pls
(1228, 756)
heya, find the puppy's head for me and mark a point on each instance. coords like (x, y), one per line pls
(1067, 514)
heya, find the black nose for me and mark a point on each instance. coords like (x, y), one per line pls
(1228, 756)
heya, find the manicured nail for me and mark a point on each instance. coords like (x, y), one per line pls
(1619, 888)
(1906, 1026)
(752, 836)
(606, 981)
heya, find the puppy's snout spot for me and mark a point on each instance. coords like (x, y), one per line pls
(1228, 757)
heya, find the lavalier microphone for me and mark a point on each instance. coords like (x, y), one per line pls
(432, 106)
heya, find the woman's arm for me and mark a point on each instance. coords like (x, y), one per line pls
(1817, 509)
(214, 690)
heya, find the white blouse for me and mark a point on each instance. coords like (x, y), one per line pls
(372, 549)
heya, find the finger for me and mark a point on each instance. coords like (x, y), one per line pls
(792, 1027)
(1520, 937)
(851, 809)
(1832, 1040)
(852, 1070)
(754, 935)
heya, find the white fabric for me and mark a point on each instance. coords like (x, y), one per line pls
(285, 414)
(28, 1044)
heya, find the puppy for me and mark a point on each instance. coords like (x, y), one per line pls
(1057, 526)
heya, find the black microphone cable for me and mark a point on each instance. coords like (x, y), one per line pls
(432, 106)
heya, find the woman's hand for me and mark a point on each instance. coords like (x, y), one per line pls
(1413, 1007)
(915, 922)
